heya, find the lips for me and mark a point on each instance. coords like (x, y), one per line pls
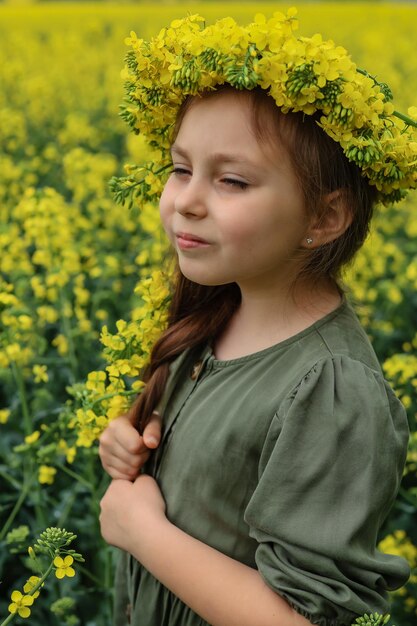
(187, 241)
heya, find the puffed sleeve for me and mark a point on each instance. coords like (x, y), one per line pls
(328, 474)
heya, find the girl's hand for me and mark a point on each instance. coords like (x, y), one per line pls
(129, 510)
(123, 451)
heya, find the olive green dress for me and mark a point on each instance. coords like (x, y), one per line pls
(287, 460)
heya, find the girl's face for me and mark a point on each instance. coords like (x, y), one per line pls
(232, 207)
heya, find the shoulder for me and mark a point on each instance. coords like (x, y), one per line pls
(343, 334)
(339, 387)
(339, 378)
(334, 357)
(344, 406)
(339, 333)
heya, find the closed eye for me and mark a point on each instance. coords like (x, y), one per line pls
(234, 182)
(180, 171)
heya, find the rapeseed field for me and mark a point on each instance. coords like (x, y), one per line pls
(75, 321)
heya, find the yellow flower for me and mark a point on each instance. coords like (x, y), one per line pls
(399, 544)
(13, 351)
(64, 566)
(394, 294)
(47, 314)
(25, 322)
(61, 344)
(30, 585)
(33, 437)
(101, 314)
(4, 415)
(46, 474)
(95, 381)
(117, 406)
(20, 604)
(407, 401)
(82, 295)
(138, 385)
(40, 374)
(70, 452)
(119, 368)
(85, 438)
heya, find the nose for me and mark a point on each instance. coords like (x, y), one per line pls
(191, 200)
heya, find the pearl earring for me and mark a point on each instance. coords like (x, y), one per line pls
(309, 240)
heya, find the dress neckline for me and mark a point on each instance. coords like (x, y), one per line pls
(210, 356)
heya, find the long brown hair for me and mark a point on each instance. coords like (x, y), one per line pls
(199, 313)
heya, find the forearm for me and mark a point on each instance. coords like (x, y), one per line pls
(223, 591)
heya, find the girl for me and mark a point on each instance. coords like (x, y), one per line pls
(282, 445)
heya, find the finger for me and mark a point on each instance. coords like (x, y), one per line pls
(152, 431)
(128, 437)
(115, 474)
(120, 432)
(114, 455)
(129, 474)
(117, 468)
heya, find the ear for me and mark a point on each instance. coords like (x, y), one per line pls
(335, 218)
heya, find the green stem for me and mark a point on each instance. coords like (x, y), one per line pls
(42, 580)
(108, 581)
(76, 476)
(8, 619)
(15, 483)
(89, 575)
(28, 471)
(68, 506)
(68, 334)
(16, 508)
(405, 118)
(91, 470)
(27, 420)
(28, 480)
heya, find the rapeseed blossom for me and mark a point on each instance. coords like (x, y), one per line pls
(30, 585)
(40, 374)
(398, 543)
(63, 566)
(33, 438)
(4, 415)
(70, 452)
(46, 475)
(20, 604)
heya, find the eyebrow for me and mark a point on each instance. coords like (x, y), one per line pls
(217, 157)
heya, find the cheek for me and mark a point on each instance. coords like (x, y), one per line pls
(241, 230)
(166, 207)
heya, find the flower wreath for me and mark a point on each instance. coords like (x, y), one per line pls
(304, 74)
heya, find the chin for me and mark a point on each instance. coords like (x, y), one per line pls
(205, 282)
(204, 278)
